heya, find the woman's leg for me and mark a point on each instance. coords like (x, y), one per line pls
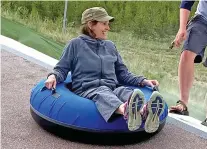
(150, 112)
(108, 103)
(105, 100)
(134, 101)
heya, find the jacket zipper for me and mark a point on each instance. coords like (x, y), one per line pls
(100, 59)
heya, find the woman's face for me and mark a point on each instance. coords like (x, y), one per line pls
(101, 29)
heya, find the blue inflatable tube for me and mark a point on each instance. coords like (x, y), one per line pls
(62, 110)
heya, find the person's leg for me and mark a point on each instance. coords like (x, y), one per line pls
(108, 104)
(186, 74)
(105, 100)
(194, 47)
(205, 63)
(123, 93)
(206, 102)
(134, 100)
(205, 120)
(152, 112)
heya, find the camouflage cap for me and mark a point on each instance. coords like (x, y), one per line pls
(97, 14)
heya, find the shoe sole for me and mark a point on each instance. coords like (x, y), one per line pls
(155, 107)
(136, 103)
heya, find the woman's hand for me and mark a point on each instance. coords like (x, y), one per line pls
(51, 82)
(150, 83)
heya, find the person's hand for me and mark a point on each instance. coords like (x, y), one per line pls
(150, 83)
(180, 37)
(51, 82)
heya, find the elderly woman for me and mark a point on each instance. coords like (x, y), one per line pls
(97, 71)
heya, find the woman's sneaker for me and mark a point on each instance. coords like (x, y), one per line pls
(152, 111)
(132, 110)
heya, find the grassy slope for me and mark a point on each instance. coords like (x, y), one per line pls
(151, 58)
(30, 38)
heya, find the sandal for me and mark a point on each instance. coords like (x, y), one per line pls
(204, 122)
(178, 111)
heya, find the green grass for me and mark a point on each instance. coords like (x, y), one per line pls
(30, 38)
(151, 58)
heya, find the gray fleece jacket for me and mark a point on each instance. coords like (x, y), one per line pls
(93, 63)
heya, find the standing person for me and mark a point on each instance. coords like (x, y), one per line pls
(194, 35)
(97, 69)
